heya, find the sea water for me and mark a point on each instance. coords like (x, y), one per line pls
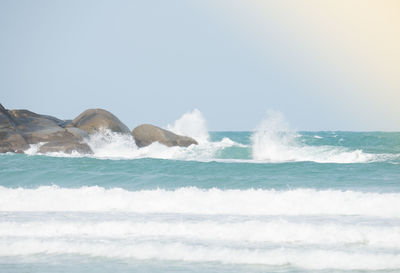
(272, 200)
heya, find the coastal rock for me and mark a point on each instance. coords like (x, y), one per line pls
(60, 140)
(20, 128)
(65, 144)
(35, 128)
(93, 120)
(146, 134)
(10, 139)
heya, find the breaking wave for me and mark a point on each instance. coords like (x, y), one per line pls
(304, 228)
(275, 141)
(198, 201)
(240, 231)
(191, 124)
(300, 258)
(110, 145)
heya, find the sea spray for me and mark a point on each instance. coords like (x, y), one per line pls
(275, 141)
(272, 142)
(111, 145)
(108, 144)
(191, 124)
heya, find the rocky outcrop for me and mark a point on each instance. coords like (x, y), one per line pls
(10, 138)
(93, 120)
(146, 134)
(20, 128)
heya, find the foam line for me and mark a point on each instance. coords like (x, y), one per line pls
(193, 200)
(300, 258)
(276, 232)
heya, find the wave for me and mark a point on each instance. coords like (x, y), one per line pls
(191, 124)
(272, 142)
(253, 231)
(275, 141)
(299, 258)
(106, 144)
(192, 200)
(109, 145)
(303, 228)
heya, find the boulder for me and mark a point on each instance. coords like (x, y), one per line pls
(66, 145)
(10, 138)
(27, 121)
(93, 120)
(23, 127)
(146, 134)
(60, 140)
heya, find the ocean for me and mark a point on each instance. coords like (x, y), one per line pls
(272, 200)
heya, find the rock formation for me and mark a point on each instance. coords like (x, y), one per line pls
(21, 128)
(146, 134)
(10, 138)
(93, 120)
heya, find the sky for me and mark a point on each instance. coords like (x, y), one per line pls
(325, 65)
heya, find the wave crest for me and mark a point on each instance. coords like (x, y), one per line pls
(275, 141)
(198, 201)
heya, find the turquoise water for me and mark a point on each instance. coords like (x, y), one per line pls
(269, 201)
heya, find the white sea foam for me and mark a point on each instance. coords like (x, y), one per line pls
(110, 145)
(275, 141)
(254, 231)
(191, 124)
(300, 258)
(107, 144)
(198, 201)
(304, 228)
(34, 148)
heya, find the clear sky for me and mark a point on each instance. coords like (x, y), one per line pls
(326, 65)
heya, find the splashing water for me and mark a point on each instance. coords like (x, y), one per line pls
(275, 141)
(191, 124)
(107, 144)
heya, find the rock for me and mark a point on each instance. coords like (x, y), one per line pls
(60, 122)
(10, 139)
(25, 127)
(60, 140)
(66, 145)
(77, 132)
(146, 134)
(93, 120)
(27, 121)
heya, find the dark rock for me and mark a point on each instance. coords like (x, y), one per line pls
(60, 140)
(93, 120)
(77, 132)
(66, 144)
(146, 134)
(60, 122)
(27, 121)
(23, 127)
(10, 139)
